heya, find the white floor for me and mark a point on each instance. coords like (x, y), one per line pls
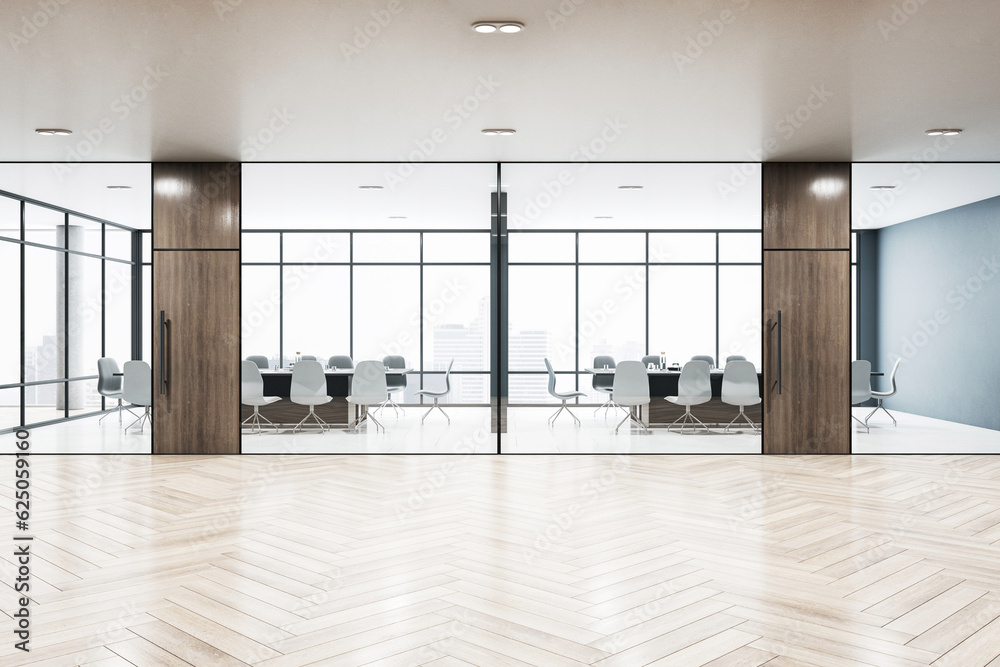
(529, 433)
(87, 436)
(468, 433)
(920, 435)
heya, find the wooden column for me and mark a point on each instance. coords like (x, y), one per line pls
(806, 265)
(196, 287)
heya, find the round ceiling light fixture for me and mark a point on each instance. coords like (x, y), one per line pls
(492, 132)
(484, 27)
(369, 187)
(512, 27)
(943, 131)
(630, 187)
(53, 131)
(119, 187)
(882, 187)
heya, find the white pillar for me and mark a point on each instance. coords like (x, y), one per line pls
(73, 289)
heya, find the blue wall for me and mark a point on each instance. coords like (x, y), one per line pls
(938, 306)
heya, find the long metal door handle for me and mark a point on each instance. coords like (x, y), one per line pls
(779, 351)
(163, 350)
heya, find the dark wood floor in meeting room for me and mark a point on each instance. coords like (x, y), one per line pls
(517, 560)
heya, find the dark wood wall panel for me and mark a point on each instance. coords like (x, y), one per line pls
(198, 292)
(812, 413)
(806, 205)
(196, 205)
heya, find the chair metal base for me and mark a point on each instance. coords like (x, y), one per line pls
(119, 414)
(396, 408)
(432, 410)
(366, 415)
(552, 419)
(633, 419)
(689, 418)
(756, 431)
(323, 426)
(255, 419)
(863, 424)
(882, 408)
(141, 420)
(608, 405)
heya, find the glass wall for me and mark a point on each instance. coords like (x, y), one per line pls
(68, 282)
(423, 295)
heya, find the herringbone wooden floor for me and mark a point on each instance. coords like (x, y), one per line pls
(533, 560)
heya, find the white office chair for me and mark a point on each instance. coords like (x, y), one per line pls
(651, 359)
(704, 357)
(109, 385)
(631, 390)
(308, 357)
(604, 382)
(694, 387)
(309, 388)
(137, 388)
(436, 395)
(740, 387)
(563, 396)
(735, 357)
(879, 395)
(252, 393)
(259, 360)
(340, 362)
(368, 388)
(861, 385)
(394, 382)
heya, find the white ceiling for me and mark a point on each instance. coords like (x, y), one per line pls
(277, 71)
(921, 189)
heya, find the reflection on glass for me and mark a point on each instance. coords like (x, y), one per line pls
(316, 313)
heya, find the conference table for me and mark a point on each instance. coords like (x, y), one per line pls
(663, 383)
(338, 385)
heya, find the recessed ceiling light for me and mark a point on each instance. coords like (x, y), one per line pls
(948, 132)
(502, 26)
(630, 187)
(119, 187)
(53, 131)
(369, 187)
(604, 217)
(882, 187)
(397, 217)
(495, 131)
